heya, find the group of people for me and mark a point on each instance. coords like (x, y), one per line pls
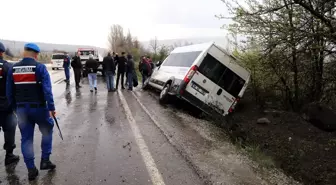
(113, 65)
(126, 67)
(26, 90)
(91, 67)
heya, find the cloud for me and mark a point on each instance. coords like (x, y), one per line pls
(87, 22)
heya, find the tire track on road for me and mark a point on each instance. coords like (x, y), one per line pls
(147, 157)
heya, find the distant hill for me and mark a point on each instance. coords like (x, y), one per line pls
(17, 46)
(222, 41)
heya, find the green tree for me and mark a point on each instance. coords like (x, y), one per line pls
(291, 41)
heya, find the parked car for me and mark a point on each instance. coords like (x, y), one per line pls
(57, 60)
(204, 75)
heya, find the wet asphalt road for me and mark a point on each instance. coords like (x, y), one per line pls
(108, 139)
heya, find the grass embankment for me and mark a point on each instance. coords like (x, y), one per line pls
(288, 142)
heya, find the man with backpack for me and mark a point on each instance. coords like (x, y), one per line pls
(145, 69)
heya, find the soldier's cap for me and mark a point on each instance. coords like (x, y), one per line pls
(2, 47)
(32, 47)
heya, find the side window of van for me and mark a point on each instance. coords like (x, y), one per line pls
(231, 82)
(212, 68)
(181, 59)
(221, 75)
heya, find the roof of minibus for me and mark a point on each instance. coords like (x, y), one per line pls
(191, 48)
(242, 72)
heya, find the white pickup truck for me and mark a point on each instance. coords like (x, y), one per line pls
(84, 56)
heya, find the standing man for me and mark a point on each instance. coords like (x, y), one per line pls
(76, 64)
(130, 71)
(66, 66)
(121, 63)
(150, 61)
(29, 90)
(7, 118)
(145, 69)
(109, 69)
(91, 66)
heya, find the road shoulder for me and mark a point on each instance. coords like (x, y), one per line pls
(208, 148)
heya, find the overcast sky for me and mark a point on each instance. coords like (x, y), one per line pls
(88, 21)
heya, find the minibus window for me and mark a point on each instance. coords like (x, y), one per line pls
(221, 75)
(181, 59)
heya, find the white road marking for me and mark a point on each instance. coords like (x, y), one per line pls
(147, 157)
(156, 122)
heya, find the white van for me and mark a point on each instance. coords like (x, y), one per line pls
(57, 60)
(205, 75)
(84, 56)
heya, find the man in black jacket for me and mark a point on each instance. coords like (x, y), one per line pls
(109, 69)
(7, 119)
(76, 64)
(130, 71)
(91, 66)
(121, 63)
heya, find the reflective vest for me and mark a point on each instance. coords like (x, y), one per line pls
(27, 88)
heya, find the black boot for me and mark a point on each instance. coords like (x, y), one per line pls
(11, 158)
(32, 173)
(46, 164)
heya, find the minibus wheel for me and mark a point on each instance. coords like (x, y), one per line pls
(164, 95)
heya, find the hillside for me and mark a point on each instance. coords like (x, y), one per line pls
(222, 41)
(17, 46)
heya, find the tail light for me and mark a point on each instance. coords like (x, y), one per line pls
(234, 105)
(188, 77)
(190, 74)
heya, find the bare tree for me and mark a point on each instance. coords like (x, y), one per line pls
(154, 46)
(116, 38)
(129, 41)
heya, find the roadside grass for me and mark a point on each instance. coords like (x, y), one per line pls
(254, 152)
(240, 141)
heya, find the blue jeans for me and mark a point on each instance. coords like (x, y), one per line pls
(27, 117)
(130, 80)
(144, 78)
(67, 73)
(8, 125)
(109, 80)
(92, 80)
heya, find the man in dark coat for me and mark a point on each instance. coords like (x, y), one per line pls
(130, 71)
(109, 69)
(92, 66)
(76, 64)
(8, 121)
(121, 63)
(145, 69)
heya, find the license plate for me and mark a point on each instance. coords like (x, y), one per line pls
(197, 89)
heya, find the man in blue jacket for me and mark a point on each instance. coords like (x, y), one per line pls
(66, 66)
(7, 118)
(29, 92)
